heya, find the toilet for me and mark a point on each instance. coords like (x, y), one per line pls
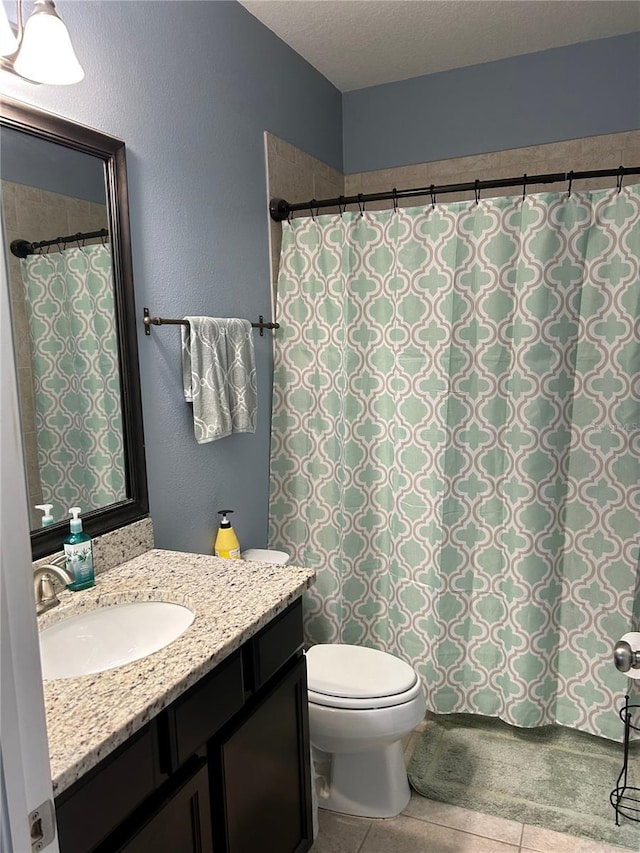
(362, 703)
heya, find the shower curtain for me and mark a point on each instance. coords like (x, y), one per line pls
(456, 444)
(71, 311)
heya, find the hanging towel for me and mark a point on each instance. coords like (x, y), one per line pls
(219, 375)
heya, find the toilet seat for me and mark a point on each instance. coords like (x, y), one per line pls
(358, 678)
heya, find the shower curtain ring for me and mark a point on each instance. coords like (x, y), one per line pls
(361, 204)
(311, 203)
(524, 187)
(570, 182)
(477, 191)
(619, 178)
(395, 200)
(432, 191)
(341, 205)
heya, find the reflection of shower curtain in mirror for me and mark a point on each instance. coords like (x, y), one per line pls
(70, 305)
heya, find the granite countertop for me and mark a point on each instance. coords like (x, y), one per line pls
(89, 716)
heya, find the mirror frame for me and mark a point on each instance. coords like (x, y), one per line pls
(27, 119)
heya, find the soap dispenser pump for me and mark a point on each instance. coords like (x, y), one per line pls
(78, 554)
(47, 518)
(226, 544)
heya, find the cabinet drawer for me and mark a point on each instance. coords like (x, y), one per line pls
(197, 715)
(105, 796)
(274, 645)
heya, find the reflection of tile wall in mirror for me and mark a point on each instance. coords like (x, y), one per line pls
(33, 214)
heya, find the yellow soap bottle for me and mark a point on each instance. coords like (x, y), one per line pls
(226, 544)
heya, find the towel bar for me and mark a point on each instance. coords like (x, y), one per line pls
(163, 321)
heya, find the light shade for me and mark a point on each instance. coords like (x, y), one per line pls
(46, 54)
(8, 39)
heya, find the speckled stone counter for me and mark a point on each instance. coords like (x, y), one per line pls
(89, 716)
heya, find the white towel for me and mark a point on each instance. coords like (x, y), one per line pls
(219, 375)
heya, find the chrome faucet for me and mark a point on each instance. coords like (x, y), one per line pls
(44, 587)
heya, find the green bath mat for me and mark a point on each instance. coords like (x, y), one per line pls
(551, 777)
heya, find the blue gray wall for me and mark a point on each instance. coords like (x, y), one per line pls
(38, 163)
(582, 90)
(190, 87)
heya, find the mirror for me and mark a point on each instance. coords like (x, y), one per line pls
(73, 319)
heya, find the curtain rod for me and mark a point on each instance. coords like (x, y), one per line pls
(149, 321)
(279, 209)
(22, 248)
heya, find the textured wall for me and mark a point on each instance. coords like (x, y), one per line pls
(191, 87)
(564, 93)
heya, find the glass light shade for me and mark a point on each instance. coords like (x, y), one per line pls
(46, 54)
(8, 39)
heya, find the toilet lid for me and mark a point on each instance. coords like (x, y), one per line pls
(356, 672)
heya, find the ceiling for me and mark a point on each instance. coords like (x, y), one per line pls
(360, 43)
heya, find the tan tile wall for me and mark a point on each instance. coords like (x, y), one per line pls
(590, 153)
(297, 177)
(33, 214)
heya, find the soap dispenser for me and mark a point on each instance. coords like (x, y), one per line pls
(47, 518)
(226, 544)
(78, 554)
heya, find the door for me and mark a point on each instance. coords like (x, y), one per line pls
(25, 777)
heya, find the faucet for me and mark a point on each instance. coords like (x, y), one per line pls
(44, 586)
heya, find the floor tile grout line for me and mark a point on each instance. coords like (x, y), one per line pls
(476, 834)
(463, 831)
(366, 835)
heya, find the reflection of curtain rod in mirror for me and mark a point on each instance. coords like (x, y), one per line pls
(22, 248)
(41, 50)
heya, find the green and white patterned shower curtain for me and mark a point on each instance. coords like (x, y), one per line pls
(456, 444)
(70, 305)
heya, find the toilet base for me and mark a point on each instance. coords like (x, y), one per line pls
(367, 784)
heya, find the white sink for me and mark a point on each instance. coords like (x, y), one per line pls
(108, 637)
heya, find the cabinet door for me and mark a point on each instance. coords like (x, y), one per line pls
(265, 769)
(180, 824)
(106, 796)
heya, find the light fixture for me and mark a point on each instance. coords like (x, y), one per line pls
(8, 39)
(42, 50)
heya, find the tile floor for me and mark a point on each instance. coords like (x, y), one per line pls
(426, 826)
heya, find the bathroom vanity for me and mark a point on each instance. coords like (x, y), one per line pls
(204, 745)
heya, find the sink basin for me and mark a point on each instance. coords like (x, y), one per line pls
(108, 637)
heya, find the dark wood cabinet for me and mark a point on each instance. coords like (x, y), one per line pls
(224, 769)
(181, 823)
(262, 768)
(108, 794)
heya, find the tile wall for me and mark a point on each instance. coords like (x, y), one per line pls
(297, 177)
(595, 152)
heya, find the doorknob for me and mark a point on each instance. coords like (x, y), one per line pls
(626, 654)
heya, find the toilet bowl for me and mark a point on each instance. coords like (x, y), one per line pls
(362, 703)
